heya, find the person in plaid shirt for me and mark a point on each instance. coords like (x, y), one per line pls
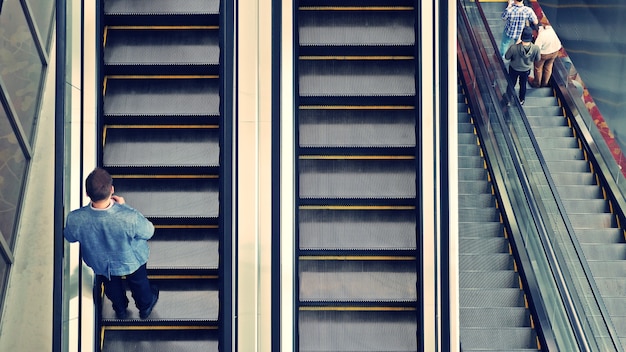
(515, 15)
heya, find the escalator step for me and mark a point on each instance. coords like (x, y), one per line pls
(494, 297)
(511, 338)
(476, 200)
(489, 279)
(483, 245)
(473, 174)
(344, 27)
(357, 128)
(358, 331)
(611, 251)
(184, 249)
(362, 179)
(569, 166)
(478, 261)
(160, 7)
(469, 150)
(180, 197)
(592, 220)
(607, 268)
(607, 236)
(180, 300)
(562, 154)
(360, 78)
(145, 96)
(471, 162)
(482, 229)
(553, 132)
(180, 340)
(358, 281)
(545, 112)
(556, 142)
(495, 317)
(474, 187)
(150, 50)
(573, 178)
(480, 214)
(161, 147)
(590, 206)
(579, 192)
(357, 229)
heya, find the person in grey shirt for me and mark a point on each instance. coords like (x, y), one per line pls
(113, 241)
(522, 56)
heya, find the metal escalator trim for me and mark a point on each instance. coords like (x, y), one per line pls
(174, 177)
(356, 207)
(352, 57)
(358, 257)
(356, 157)
(356, 8)
(356, 309)
(356, 107)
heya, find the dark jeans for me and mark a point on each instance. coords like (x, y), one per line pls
(139, 287)
(523, 80)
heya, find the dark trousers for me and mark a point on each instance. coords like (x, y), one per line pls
(139, 287)
(523, 80)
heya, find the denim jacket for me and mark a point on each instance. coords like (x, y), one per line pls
(113, 241)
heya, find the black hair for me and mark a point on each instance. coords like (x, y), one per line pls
(98, 185)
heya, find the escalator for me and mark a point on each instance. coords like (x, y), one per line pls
(493, 311)
(589, 207)
(357, 236)
(161, 141)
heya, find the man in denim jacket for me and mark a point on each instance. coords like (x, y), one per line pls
(113, 239)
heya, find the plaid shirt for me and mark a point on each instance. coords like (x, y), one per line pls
(515, 17)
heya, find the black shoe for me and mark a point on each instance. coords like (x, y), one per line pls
(521, 102)
(145, 313)
(121, 314)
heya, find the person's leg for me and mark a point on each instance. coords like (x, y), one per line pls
(115, 291)
(140, 287)
(504, 45)
(547, 68)
(523, 81)
(538, 71)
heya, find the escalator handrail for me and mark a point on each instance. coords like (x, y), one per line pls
(534, 207)
(560, 75)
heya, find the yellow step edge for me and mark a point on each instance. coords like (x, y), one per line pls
(355, 57)
(356, 107)
(357, 309)
(358, 257)
(356, 8)
(356, 157)
(356, 207)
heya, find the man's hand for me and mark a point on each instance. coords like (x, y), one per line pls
(118, 199)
